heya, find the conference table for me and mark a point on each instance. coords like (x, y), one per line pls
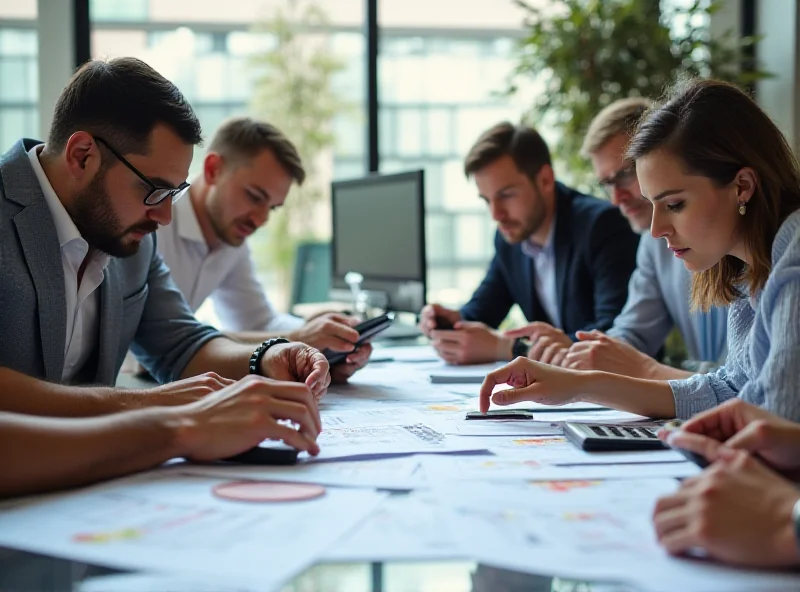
(21, 570)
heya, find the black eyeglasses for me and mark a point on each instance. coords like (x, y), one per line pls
(622, 179)
(156, 194)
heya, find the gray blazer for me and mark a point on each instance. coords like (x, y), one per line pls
(140, 307)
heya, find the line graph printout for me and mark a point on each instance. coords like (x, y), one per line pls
(594, 530)
(387, 473)
(402, 528)
(371, 441)
(171, 522)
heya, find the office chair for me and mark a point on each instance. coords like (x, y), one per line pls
(311, 280)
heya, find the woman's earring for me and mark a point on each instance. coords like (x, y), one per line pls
(742, 209)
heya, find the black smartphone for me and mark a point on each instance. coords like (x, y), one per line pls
(698, 459)
(443, 324)
(366, 330)
(501, 414)
(267, 453)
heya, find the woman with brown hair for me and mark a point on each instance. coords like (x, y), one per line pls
(725, 189)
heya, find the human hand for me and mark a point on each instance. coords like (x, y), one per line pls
(427, 318)
(341, 373)
(471, 343)
(595, 350)
(549, 344)
(740, 426)
(530, 381)
(182, 391)
(737, 510)
(297, 362)
(330, 330)
(245, 413)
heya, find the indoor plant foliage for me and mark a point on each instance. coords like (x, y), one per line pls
(586, 54)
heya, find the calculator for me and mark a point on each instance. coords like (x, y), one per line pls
(595, 437)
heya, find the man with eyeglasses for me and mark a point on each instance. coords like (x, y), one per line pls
(658, 295)
(81, 280)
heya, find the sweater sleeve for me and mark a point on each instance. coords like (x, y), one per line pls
(702, 391)
(776, 385)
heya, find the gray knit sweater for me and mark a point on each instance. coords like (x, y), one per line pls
(763, 364)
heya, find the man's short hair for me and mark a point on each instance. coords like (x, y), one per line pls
(242, 138)
(620, 117)
(521, 142)
(121, 101)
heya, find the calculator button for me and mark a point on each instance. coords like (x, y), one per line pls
(633, 432)
(599, 431)
(616, 432)
(649, 433)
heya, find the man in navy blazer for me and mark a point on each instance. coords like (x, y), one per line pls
(564, 257)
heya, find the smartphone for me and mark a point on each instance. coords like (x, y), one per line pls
(698, 459)
(366, 330)
(501, 414)
(443, 324)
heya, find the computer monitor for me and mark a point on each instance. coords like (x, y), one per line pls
(379, 232)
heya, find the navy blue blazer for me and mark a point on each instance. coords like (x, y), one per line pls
(595, 252)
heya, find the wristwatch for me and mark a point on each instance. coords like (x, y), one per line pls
(520, 347)
(255, 359)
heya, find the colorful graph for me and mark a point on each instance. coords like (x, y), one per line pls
(123, 534)
(540, 441)
(444, 407)
(564, 486)
(503, 464)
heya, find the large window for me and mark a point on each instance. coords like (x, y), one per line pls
(438, 92)
(19, 71)
(439, 74)
(215, 59)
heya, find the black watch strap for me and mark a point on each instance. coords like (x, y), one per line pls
(520, 347)
(255, 359)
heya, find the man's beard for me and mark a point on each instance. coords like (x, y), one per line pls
(99, 225)
(529, 227)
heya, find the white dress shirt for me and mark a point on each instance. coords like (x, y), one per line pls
(83, 299)
(226, 274)
(544, 263)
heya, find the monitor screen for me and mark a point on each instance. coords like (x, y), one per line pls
(378, 231)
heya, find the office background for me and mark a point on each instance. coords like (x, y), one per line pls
(440, 70)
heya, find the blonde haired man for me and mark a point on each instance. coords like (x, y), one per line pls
(658, 294)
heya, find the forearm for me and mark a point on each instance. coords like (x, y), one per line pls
(255, 337)
(20, 393)
(224, 356)
(664, 372)
(43, 454)
(651, 398)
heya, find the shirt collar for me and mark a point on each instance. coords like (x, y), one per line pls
(65, 227)
(186, 221)
(533, 249)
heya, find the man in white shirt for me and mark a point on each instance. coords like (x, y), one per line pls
(247, 173)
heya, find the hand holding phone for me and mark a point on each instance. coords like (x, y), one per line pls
(443, 323)
(366, 331)
(698, 459)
